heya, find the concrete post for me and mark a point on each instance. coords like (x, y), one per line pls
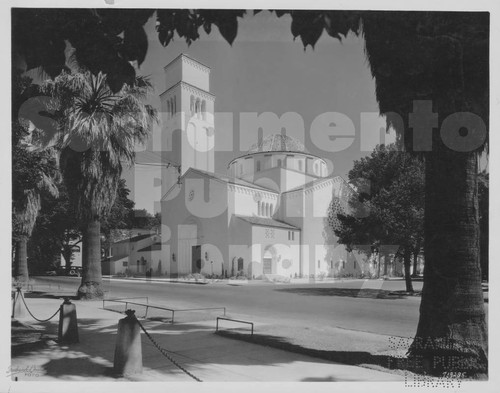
(68, 323)
(18, 307)
(128, 349)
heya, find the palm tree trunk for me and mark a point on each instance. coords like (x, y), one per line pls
(407, 268)
(21, 261)
(91, 285)
(452, 316)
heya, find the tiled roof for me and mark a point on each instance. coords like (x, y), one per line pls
(266, 222)
(278, 142)
(232, 180)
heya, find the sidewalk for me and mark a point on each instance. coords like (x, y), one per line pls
(194, 345)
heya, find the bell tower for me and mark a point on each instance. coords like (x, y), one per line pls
(188, 138)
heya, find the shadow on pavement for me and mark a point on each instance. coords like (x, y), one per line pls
(54, 295)
(312, 379)
(352, 358)
(82, 366)
(348, 292)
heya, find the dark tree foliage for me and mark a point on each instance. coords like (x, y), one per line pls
(484, 204)
(388, 210)
(33, 177)
(57, 230)
(143, 219)
(120, 217)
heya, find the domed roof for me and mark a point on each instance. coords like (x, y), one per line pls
(278, 142)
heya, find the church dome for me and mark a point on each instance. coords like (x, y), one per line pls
(278, 142)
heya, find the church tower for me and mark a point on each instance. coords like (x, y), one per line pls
(187, 106)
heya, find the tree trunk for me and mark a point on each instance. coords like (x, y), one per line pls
(67, 253)
(415, 264)
(378, 265)
(407, 268)
(386, 257)
(91, 285)
(21, 261)
(452, 316)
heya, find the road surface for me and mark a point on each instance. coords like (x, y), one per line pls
(335, 304)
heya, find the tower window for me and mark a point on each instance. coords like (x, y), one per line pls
(204, 110)
(270, 210)
(259, 209)
(197, 108)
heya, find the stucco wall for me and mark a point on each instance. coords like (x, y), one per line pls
(274, 243)
(188, 220)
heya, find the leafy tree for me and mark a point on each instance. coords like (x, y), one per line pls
(143, 219)
(45, 244)
(33, 174)
(390, 210)
(441, 57)
(120, 216)
(98, 130)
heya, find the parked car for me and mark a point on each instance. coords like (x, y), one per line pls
(75, 271)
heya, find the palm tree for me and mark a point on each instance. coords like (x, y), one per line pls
(33, 173)
(98, 131)
(27, 190)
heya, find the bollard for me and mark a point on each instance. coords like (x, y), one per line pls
(128, 349)
(68, 324)
(18, 307)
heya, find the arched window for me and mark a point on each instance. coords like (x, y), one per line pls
(257, 166)
(191, 106)
(198, 107)
(204, 110)
(300, 165)
(316, 168)
(267, 209)
(270, 210)
(258, 208)
(168, 109)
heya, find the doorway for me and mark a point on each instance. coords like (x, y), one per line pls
(196, 259)
(268, 265)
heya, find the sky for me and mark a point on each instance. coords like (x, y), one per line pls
(265, 70)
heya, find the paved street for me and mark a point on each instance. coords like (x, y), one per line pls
(352, 304)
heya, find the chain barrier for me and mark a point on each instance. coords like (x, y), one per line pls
(164, 352)
(39, 320)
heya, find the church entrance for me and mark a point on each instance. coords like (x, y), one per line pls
(268, 265)
(196, 259)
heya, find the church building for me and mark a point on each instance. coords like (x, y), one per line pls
(268, 215)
